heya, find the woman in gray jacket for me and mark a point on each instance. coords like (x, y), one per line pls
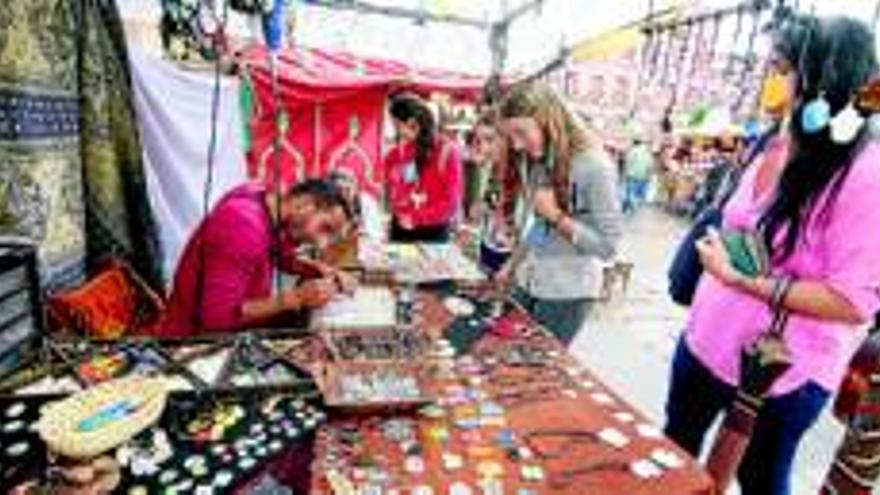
(569, 217)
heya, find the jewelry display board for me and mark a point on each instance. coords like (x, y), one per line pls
(515, 414)
(235, 405)
(416, 264)
(498, 407)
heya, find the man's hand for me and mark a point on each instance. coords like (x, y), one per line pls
(311, 294)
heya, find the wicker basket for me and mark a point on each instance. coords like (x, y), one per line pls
(59, 424)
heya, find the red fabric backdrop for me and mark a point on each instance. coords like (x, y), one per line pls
(334, 104)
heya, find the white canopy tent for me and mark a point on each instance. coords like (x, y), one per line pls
(540, 30)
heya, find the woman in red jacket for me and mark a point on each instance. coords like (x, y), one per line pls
(423, 175)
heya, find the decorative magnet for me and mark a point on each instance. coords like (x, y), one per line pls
(414, 465)
(532, 473)
(491, 486)
(460, 488)
(624, 417)
(646, 469)
(667, 459)
(168, 476)
(649, 431)
(17, 449)
(223, 479)
(614, 437)
(452, 462)
(602, 398)
(490, 469)
(15, 410)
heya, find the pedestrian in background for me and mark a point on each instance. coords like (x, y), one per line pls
(638, 168)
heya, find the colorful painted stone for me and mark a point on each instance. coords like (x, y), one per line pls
(17, 449)
(15, 410)
(491, 486)
(460, 488)
(532, 473)
(490, 469)
(614, 437)
(452, 462)
(649, 431)
(168, 476)
(667, 459)
(223, 479)
(414, 465)
(646, 469)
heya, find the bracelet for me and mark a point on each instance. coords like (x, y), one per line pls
(781, 288)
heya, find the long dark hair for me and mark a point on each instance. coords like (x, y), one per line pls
(833, 57)
(406, 107)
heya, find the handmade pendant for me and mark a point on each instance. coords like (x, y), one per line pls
(646, 469)
(460, 488)
(17, 449)
(490, 469)
(452, 462)
(649, 431)
(532, 473)
(624, 417)
(602, 398)
(493, 486)
(667, 459)
(15, 410)
(414, 465)
(614, 437)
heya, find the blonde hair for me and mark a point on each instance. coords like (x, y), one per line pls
(565, 135)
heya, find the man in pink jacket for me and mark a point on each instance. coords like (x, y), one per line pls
(224, 279)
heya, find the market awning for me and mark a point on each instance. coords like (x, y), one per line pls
(321, 74)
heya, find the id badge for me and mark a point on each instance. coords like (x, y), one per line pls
(410, 173)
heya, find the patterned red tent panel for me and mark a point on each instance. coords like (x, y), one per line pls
(334, 105)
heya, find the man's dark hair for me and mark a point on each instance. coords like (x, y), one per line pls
(324, 193)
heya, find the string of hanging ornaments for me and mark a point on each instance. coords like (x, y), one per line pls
(749, 63)
(667, 55)
(681, 62)
(730, 68)
(656, 52)
(697, 66)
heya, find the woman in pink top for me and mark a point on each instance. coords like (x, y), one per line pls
(815, 197)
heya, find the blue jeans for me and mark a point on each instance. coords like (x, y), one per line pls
(697, 398)
(634, 195)
(563, 318)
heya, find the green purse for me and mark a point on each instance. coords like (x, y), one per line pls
(747, 252)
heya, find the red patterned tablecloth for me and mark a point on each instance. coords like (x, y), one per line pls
(544, 427)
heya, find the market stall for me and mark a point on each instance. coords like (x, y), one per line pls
(334, 110)
(428, 382)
